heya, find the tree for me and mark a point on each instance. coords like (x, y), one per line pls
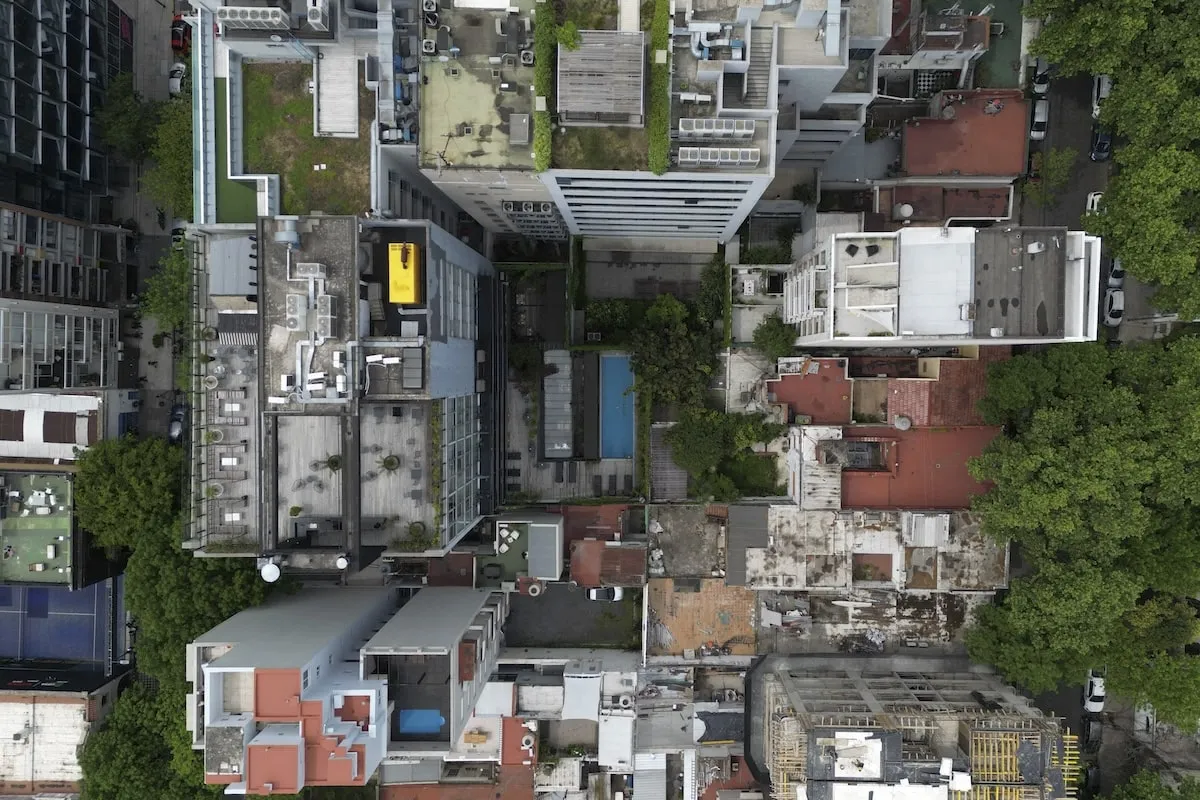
(1052, 171)
(673, 360)
(1098, 481)
(715, 450)
(774, 338)
(1089, 36)
(127, 488)
(714, 291)
(168, 295)
(127, 121)
(169, 180)
(568, 35)
(610, 315)
(1148, 785)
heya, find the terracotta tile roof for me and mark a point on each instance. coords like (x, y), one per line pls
(593, 522)
(927, 468)
(595, 563)
(951, 400)
(513, 730)
(272, 769)
(965, 138)
(277, 694)
(513, 783)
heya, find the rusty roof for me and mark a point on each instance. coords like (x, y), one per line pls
(823, 395)
(593, 522)
(927, 468)
(512, 783)
(938, 203)
(952, 399)
(596, 563)
(969, 133)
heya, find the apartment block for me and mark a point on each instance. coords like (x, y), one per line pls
(942, 286)
(318, 689)
(899, 726)
(57, 58)
(346, 382)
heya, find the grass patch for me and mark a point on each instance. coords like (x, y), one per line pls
(279, 139)
(643, 418)
(658, 100)
(591, 15)
(754, 475)
(236, 200)
(600, 148)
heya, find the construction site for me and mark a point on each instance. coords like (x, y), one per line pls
(903, 728)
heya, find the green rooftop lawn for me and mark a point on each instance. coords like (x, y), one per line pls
(236, 200)
(600, 148)
(279, 139)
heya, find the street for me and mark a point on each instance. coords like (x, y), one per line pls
(1071, 126)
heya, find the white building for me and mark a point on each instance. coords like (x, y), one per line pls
(943, 286)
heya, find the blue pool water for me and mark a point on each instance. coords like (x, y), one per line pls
(616, 407)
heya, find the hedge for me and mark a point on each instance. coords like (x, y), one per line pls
(545, 48)
(658, 103)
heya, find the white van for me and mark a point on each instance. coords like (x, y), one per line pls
(1101, 89)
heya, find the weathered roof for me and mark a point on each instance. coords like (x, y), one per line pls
(747, 528)
(603, 76)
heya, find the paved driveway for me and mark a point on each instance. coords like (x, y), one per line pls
(563, 617)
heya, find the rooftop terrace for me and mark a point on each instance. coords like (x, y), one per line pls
(36, 528)
(477, 94)
(969, 133)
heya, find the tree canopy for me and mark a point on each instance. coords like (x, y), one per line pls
(1147, 785)
(168, 295)
(673, 353)
(168, 181)
(1097, 483)
(1151, 48)
(774, 338)
(126, 487)
(127, 121)
(715, 450)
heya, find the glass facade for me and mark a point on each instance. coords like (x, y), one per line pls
(56, 57)
(460, 463)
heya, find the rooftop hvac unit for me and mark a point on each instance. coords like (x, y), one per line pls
(309, 269)
(245, 17)
(527, 208)
(318, 15)
(428, 47)
(429, 5)
(509, 207)
(546, 208)
(527, 58)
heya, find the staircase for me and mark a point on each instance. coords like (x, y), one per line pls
(758, 77)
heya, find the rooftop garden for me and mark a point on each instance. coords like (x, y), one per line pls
(584, 147)
(279, 139)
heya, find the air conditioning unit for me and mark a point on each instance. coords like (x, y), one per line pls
(318, 15)
(429, 5)
(527, 208)
(547, 208)
(509, 207)
(429, 47)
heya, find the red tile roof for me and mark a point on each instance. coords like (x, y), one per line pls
(272, 769)
(951, 400)
(452, 569)
(511, 734)
(937, 203)
(964, 138)
(513, 783)
(277, 694)
(927, 468)
(593, 522)
(824, 396)
(596, 563)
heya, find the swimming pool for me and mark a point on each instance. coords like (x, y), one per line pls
(616, 407)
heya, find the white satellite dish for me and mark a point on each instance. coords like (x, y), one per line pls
(342, 562)
(270, 572)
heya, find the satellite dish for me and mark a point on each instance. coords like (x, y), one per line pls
(275, 37)
(270, 572)
(902, 422)
(342, 562)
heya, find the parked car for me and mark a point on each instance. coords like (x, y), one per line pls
(1114, 307)
(1041, 77)
(175, 428)
(1093, 202)
(181, 36)
(1116, 275)
(1101, 144)
(175, 78)
(1101, 89)
(609, 593)
(1041, 120)
(1093, 693)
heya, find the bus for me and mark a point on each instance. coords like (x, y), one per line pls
(404, 273)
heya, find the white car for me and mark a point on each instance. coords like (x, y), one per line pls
(1093, 693)
(1093, 202)
(609, 593)
(1114, 307)
(175, 78)
(1101, 89)
(1041, 120)
(1116, 275)
(1041, 77)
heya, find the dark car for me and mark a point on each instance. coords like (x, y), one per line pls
(175, 428)
(181, 36)
(1101, 144)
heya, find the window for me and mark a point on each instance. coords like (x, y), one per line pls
(304, 680)
(864, 455)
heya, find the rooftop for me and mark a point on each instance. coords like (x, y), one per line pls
(1020, 280)
(42, 740)
(924, 203)
(595, 562)
(950, 400)
(702, 616)
(980, 132)
(819, 389)
(513, 782)
(923, 468)
(476, 98)
(37, 530)
(601, 80)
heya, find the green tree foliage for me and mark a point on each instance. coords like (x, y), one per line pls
(1149, 786)
(672, 356)
(127, 121)
(715, 450)
(169, 180)
(658, 99)
(168, 295)
(774, 338)
(713, 296)
(609, 315)
(127, 487)
(1098, 482)
(1051, 173)
(1151, 49)
(545, 50)
(568, 35)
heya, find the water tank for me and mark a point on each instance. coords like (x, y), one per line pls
(902, 422)
(902, 211)
(270, 572)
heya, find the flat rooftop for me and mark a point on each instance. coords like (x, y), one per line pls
(969, 133)
(820, 391)
(476, 104)
(926, 468)
(1019, 281)
(939, 203)
(596, 563)
(602, 80)
(688, 615)
(36, 528)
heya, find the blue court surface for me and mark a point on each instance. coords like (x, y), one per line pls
(54, 622)
(616, 407)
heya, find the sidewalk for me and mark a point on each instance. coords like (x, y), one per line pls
(157, 366)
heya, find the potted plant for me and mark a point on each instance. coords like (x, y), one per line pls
(213, 491)
(294, 511)
(390, 462)
(334, 463)
(214, 436)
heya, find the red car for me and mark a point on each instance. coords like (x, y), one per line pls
(181, 36)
